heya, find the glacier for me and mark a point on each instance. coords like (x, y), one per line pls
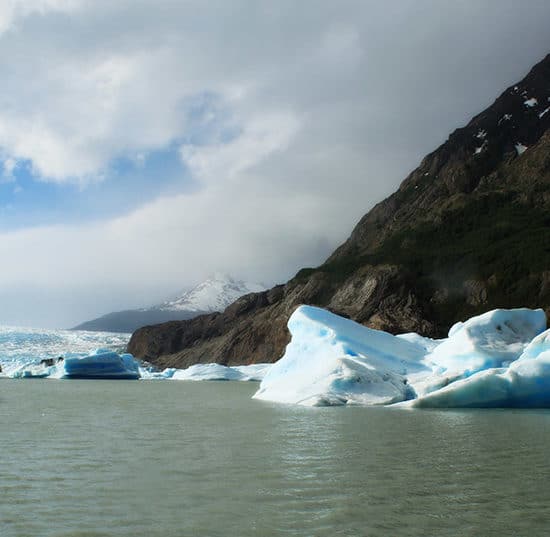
(498, 359)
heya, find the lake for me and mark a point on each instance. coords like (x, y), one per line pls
(175, 458)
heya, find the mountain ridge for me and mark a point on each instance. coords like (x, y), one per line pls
(465, 232)
(211, 295)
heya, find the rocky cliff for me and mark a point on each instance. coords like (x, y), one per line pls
(467, 231)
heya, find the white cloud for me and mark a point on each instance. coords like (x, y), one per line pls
(8, 168)
(12, 10)
(308, 113)
(224, 161)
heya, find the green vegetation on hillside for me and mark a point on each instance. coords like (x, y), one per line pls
(491, 238)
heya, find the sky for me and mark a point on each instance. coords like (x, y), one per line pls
(147, 144)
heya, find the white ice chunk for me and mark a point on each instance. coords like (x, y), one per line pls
(333, 361)
(531, 102)
(253, 372)
(487, 341)
(147, 373)
(428, 344)
(208, 372)
(524, 383)
(539, 347)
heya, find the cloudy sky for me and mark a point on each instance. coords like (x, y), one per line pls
(145, 144)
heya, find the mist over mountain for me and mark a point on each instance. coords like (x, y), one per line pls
(212, 295)
(467, 231)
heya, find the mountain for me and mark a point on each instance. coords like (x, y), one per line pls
(214, 294)
(467, 231)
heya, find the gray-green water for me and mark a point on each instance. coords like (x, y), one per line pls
(100, 458)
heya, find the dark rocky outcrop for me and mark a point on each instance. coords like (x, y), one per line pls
(467, 231)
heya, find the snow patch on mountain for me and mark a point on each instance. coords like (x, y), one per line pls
(214, 294)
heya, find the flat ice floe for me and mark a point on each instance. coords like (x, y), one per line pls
(500, 358)
(208, 372)
(198, 372)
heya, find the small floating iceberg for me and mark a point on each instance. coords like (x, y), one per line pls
(102, 364)
(207, 372)
(498, 359)
(151, 373)
(254, 372)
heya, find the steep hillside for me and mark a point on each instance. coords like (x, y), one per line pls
(467, 231)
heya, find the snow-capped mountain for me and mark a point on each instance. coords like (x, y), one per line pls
(214, 294)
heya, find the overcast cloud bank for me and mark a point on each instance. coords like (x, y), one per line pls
(290, 120)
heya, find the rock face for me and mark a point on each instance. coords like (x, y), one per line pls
(467, 231)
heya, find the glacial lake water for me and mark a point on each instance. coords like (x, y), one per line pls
(122, 458)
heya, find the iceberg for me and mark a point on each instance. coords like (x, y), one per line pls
(254, 372)
(498, 359)
(150, 373)
(207, 372)
(334, 361)
(106, 364)
(490, 340)
(101, 364)
(524, 383)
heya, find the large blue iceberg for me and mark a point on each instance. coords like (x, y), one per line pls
(100, 364)
(498, 359)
